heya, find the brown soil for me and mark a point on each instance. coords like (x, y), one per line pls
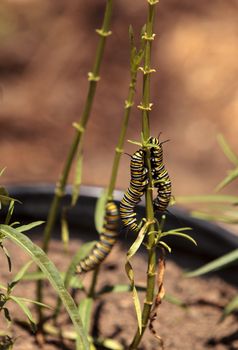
(196, 327)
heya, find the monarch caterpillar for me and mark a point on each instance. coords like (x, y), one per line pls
(135, 191)
(160, 176)
(108, 237)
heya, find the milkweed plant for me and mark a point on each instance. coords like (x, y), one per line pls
(148, 172)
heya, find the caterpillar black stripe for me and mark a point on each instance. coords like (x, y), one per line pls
(160, 175)
(136, 190)
(107, 239)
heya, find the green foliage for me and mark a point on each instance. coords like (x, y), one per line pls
(130, 272)
(78, 178)
(20, 301)
(151, 233)
(109, 344)
(136, 55)
(7, 255)
(100, 211)
(217, 264)
(232, 306)
(222, 208)
(65, 229)
(69, 280)
(85, 307)
(177, 232)
(227, 149)
(41, 259)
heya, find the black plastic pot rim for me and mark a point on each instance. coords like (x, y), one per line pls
(212, 239)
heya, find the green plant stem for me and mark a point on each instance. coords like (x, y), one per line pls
(118, 151)
(145, 106)
(93, 78)
(92, 288)
(121, 140)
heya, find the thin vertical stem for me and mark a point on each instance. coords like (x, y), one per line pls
(93, 78)
(121, 140)
(135, 61)
(145, 106)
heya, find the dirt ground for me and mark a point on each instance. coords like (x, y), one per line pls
(197, 327)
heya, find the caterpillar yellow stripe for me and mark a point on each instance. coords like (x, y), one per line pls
(107, 239)
(135, 191)
(160, 176)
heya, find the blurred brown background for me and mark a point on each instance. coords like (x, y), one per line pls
(46, 49)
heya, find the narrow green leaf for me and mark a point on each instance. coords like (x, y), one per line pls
(76, 283)
(15, 223)
(20, 275)
(180, 234)
(77, 179)
(4, 196)
(9, 212)
(165, 245)
(231, 306)
(136, 301)
(34, 276)
(143, 30)
(174, 300)
(26, 300)
(30, 226)
(56, 331)
(4, 199)
(52, 274)
(7, 255)
(130, 273)
(213, 217)
(232, 175)
(25, 310)
(131, 36)
(100, 211)
(109, 344)
(216, 264)
(2, 171)
(2, 287)
(135, 143)
(227, 149)
(83, 251)
(216, 198)
(120, 288)
(65, 229)
(85, 308)
(181, 229)
(137, 243)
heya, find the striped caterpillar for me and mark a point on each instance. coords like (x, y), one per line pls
(107, 239)
(139, 181)
(136, 190)
(160, 176)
